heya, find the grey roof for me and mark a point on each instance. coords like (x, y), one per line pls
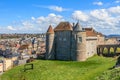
(78, 27)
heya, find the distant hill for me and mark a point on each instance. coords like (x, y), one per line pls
(113, 35)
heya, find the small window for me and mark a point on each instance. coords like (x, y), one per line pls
(60, 39)
(79, 39)
(64, 39)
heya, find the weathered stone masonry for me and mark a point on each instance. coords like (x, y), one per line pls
(67, 42)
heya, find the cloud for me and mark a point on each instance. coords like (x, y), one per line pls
(79, 15)
(45, 21)
(114, 10)
(53, 7)
(33, 25)
(50, 19)
(57, 8)
(10, 28)
(106, 21)
(41, 24)
(98, 3)
(117, 1)
(27, 25)
(100, 14)
(33, 18)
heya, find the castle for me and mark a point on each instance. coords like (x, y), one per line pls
(71, 42)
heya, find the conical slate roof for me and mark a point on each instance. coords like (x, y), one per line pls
(50, 29)
(78, 27)
(63, 26)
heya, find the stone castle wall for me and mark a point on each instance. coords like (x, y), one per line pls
(50, 46)
(71, 42)
(91, 45)
(111, 41)
(63, 45)
(81, 46)
(100, 40)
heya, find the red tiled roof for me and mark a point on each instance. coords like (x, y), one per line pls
(92, 32)
(22, 47)
(100, 34)
(88, 29)
(63, 26)
(50, 29)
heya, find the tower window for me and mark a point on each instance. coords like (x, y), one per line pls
(79, 39)
(64, 39)
(60, 39)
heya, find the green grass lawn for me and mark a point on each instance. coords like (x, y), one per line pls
(113, 74)
(62, 70)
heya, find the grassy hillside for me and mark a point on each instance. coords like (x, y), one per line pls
(62, 70)
(113, 74)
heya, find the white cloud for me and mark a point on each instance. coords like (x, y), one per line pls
(100, 14)
(27, 25)
(45, 21)
(98, 3)
(106, 21)
(50, 19)
(115, 10)
(79, 15)
(57, 8)
(33, 18)
(34, 25)
(10, 28)
(117, 1)
(53, 7)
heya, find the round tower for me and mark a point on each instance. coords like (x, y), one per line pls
(80, 43)
(50, 44)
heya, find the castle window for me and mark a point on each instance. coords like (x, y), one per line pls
(79, 39)
(64, 39)
(60, 39)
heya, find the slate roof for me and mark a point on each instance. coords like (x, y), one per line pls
(78, 27)
(63, 26)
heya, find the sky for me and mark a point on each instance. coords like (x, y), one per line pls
(35, 16)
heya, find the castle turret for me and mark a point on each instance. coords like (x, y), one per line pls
(80, 42)
(50, 43)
